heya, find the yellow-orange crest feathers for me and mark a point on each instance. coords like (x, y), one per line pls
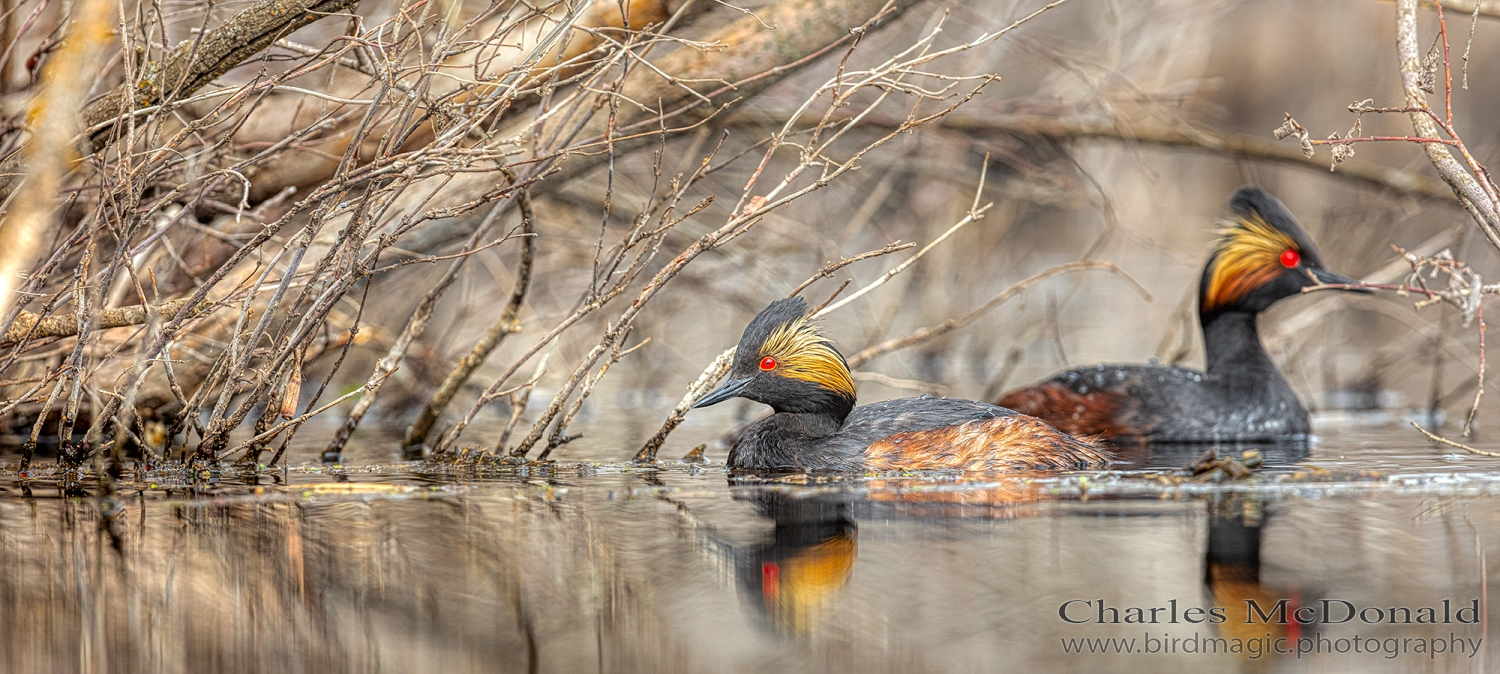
(1247, 257)
(802, 353)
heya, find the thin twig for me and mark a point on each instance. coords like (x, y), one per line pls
(1451, 443)
(930, 333)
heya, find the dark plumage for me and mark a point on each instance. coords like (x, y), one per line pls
(782, 361)
(1264, 256)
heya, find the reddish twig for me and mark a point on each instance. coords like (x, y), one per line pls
(1447, 71)
(1478, 392)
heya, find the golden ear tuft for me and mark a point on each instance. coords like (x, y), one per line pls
(1247, 257)
(802, 353)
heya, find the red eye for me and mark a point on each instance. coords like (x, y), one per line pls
(1290, 258)
(767, 364)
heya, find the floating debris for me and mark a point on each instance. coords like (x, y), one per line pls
(1210, 467)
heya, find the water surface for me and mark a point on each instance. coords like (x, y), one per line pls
(609, 567)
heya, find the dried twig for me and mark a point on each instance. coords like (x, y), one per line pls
(933, 332)
(1450, 443)
(1233, 145)
(508, 323)
(415, 326)
(284, 192)
(192, 64)
(1475, 189)
(29, 326)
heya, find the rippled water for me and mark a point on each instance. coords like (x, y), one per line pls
(609, 567)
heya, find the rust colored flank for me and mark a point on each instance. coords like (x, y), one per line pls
(1100, 413)
(1000, 443)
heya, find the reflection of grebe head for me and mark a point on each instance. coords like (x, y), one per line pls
(1231, 571)
(1262, 256)
(793, 577)
(784, 361)
(795, 585)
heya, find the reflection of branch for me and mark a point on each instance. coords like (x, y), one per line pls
(1218, 142)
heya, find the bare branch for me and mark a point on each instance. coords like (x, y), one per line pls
(29, 326)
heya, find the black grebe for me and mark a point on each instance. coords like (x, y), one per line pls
(1263, 256)
(783, 361)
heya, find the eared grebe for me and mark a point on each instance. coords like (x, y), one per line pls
(1263, 256)
(783, 361)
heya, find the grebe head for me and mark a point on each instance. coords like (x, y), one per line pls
(1262, 256)
(785, 362)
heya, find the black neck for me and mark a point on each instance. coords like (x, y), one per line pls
(792, 441)
(1232, 345)
(828, 407)
(808, 425)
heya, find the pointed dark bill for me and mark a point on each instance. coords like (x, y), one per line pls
(727, 390)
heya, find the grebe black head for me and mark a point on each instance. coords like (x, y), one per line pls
(783, 361)
(1263, 256)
